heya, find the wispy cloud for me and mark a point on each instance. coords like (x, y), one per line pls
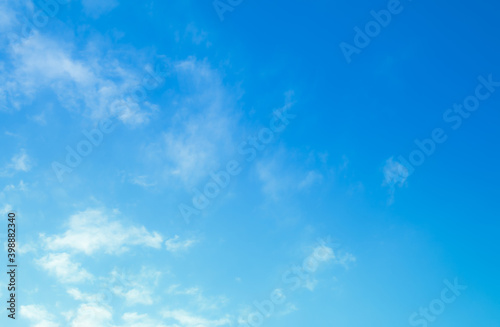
(195, 295)
(279, 175)
(203, 125)
(321, 255)
(312, 177)
(8, 18)
(38, 316)
(83, 79)
(395, 176)
(187, 319)
(138, 289)
(76, 294)
(61, 266)
(175, 244)
(20, 162)
(96, 8)
(142, 181)
(95, 230)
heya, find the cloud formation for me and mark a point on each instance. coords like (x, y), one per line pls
(395, 175)
(61, 266)
(187, 319)
(20, 162)
(38, 316)
(175, 244)
(93, 230)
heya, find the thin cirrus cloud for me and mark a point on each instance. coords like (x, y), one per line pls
(78, 295)
(95, 230)
(96, 8)
(175, 244)
(395, 176)
(196, 296)
(203, 126)
(278, 175)
(83, 80)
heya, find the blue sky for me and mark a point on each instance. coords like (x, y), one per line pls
(228, 163)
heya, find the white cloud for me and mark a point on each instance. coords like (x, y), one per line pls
(50, 61)
(136, 289)
(187, 319)
(175, 244)
(84, 297)
(38, 316)
(92, 230)
(84, 80)
(20, 162)
(142, 181)
(60, 265)
(394, 173)
(344, 259)
(196, 297)
(133, 319)
(92, 315)
(322, 254)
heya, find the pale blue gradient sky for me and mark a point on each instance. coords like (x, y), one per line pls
(325, 214)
